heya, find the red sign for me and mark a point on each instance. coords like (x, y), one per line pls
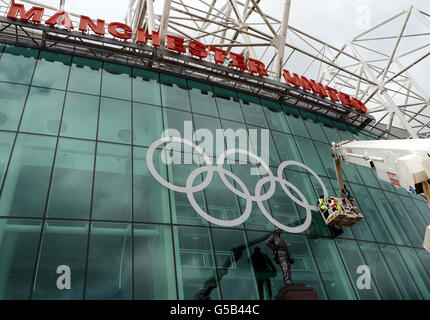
(177, 44)
(394, 179)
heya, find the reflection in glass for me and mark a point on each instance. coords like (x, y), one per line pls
(12, 98)
(17, 64)
(64, 243)
(85, 75)
(43, 111)
(80, 116)
(146, 87)
(236, 277)
(154, 265)
(109, 273)
(151, 199)
(112, 185)
(18, 245)
(195, 264)
(380, 271)
(27, 181)
(73, 175)
(228, 104)
(147, 124)
(52, 70)
(203, 98)
(332, 270)
(116, 82)
(6, 141)
(115, 121)
(174, 92)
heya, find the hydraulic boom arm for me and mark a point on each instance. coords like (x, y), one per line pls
(403, 163)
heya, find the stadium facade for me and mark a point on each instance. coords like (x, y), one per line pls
(78, 113)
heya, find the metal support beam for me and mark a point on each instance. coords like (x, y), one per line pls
(165, 21)
(280, 40)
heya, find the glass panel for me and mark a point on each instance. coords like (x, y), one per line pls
(109, 262)
(303, 270)
(372, 216)
(390, 219)
(12, 102)
(116, 81)
(64, 244)
(297, 126)
(324, 151)
(203, 98)
(228, 104)
(115, 121)
(27, 181)
(380, 271)
(405, 219)
(182, 212)
(6, 142)
(310, 155)
(415, 214)
(17, 64)
(353, 259)
(151, 199)
(146, 87)
(368, 175)
(73, 175)
(287, 147)
(175, 120)
(236, 277)
(315, 130)
(43, 111)
(154, 265)
(277, 120)
(174, 92)
(147, 124)
(262, 148)
(195, 264)
(417, 269)
(112, 185)
(18, 245)
(52, 70)
(80, 116)
(206, 135)
(332, 270)
(332, 135)
(400, 273)
(252, 110)
(425, 259)
(85, 76)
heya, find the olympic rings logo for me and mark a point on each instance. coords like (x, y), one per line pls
(189, 189)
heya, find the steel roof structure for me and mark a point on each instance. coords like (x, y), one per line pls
(382, 79)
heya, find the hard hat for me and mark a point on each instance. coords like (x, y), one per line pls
(321, 195)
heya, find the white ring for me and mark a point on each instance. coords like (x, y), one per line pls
(204, 215)
(161, 180)
(298, 229)
(295, 163)
(220, 163)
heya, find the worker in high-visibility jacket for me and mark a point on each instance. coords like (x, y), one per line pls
(335, 206)
(323, 206)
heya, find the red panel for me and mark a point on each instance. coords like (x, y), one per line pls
(219, 54)
(86, 22)
(256, 66)
(198, 49)
(120, 30)
(176, 44)
(61, 17)
(35, 13)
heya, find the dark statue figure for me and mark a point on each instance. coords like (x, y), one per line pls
(281, 254)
